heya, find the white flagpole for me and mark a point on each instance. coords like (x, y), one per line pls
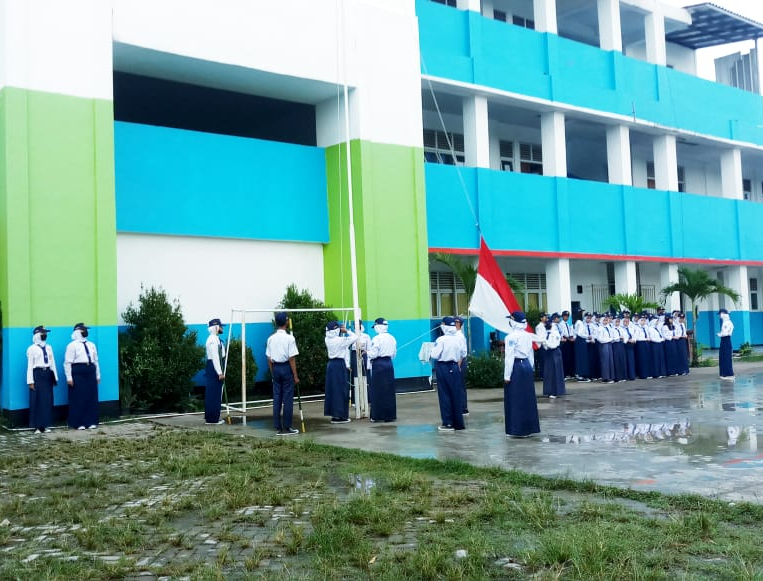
(361, 398)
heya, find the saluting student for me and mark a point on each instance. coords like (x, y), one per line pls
(83, 374)
(448, 353)
(381, 353)
(336, 404)
(42, 377)
(281, 352)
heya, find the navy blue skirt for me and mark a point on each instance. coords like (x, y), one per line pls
(382, 390)
(726, 369)
(553, 372)
(520, 406)
(83, 396)
(41, 399)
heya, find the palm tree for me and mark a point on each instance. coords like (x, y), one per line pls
(634, 303)
(697, 285)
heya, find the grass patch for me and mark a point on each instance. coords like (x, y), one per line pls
(214, 506)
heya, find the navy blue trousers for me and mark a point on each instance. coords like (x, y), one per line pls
(520, 407)
(337, 403)
(382, 396)
(83, 396)
(283, 396)
(41, 399)
(213, 394)
(450, 391)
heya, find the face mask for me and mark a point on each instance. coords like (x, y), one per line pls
(219, 330)
(43, 336)
(84, 333)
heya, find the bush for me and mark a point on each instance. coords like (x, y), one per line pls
(310, 334)
(233, 370)
(485, 371)
(745, 349)
(158, 356)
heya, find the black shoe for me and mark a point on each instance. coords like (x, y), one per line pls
(289, 432)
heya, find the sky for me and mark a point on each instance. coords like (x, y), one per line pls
(752, 9)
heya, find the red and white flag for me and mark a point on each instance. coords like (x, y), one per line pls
(493, 299)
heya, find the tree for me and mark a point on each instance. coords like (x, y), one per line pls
(310, 332)
(158, 355)
(697, 285)
(634, 303)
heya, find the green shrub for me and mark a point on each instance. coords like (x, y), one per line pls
(158, 356)
(485, 370)
(745, 349)
(309, 330)
(233, 369)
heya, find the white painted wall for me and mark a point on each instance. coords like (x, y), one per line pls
(681, 58)
(57, 47)
(586, 273)
(370, 44)
(210, 276)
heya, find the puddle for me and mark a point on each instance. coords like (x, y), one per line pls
(361, 484)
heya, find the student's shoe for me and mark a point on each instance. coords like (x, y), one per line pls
(340, 421)
(290, 432)
(92, 427)
(37, 431)
(465, 413)
(446, 428)
(81, 428)
(217, 423)
(551, 397)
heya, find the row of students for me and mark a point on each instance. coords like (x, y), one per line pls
(83, 374)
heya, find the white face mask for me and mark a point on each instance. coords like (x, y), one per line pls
(380, 329)
(448, 330)
(332, 333)
(517, 325)
(77, 335)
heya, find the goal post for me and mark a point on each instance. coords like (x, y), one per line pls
(240, 316)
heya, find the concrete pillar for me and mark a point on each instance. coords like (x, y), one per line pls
(558, 285)
(737, 279)
(654, 28)
(610, 34)
(625, 278)
(665, 163)
(473, 5)
(544, 12)
(553, 138)
(731, 174)
(487, 8)
(476, 132)
(619, 155)
(669, 275)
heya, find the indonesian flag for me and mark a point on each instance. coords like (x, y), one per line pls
(493, 299)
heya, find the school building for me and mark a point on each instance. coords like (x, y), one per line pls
(202, 147)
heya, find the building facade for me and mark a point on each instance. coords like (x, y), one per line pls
(203, 148)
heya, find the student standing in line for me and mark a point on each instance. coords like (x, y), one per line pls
(726, 369)
(83, 374)
(336, 404)
(553, 368)
(42, 377)
(448, 353)
(381, 353)
(281, 352)
(213, 374)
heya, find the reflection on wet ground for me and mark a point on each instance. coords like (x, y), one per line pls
(683, 434)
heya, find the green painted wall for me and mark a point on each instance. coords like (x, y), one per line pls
(390, 228)
(58, 233)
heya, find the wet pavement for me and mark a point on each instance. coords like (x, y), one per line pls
(692, 434)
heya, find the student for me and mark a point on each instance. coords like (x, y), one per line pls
(520, 406)
(448, 353)
(42, 377)
(281, 352)
(568, 345)
(213, 374)
(381, 353)
(336, 404)
(83, 374)
(553, 368)
(726, 369)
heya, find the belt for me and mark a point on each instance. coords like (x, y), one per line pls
(522, 359)
(42, 367)
(386, 357)
(280, 362)
(336, 359)
(449, 362)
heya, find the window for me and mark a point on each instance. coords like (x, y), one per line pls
(499, 15)
(747, 189)
(681, 179)
(446, 2)
(530, 158)
(534, 296)
(437, 146)
(525, 22)
(754, 294)
(651, 182)
(448, 294)
(507, 155)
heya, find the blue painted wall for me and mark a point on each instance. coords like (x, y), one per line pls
(174, 181)
(495, 54)
(586, 217)
(15, 392)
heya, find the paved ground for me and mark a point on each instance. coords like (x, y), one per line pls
(681, 434)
